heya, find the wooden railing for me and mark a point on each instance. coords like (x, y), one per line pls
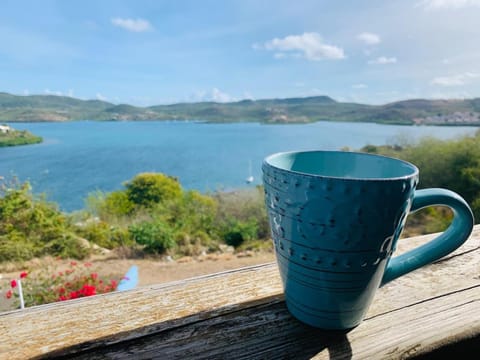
(241, 314)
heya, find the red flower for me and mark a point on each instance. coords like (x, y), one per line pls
(9, 294)
(23, 274)
(61, 290)
(73, 263)
(113, 283)
(87, 264)
(94, 276)
(62, 298)
(88, 290)
(13, 283)
(73, 295)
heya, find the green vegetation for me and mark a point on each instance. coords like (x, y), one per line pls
(32, 227)
(12, 137)
(153, 214)
(270, 111)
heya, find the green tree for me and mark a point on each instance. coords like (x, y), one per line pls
(116, 203)
(156, 236)
(147, 189)
(193, 212)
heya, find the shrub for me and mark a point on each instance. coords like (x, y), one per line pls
(117, 203)
(66, 246)
(237, 232)
(191, 213)
(30, 226)
(245, 206)
(147, 189)
(157, 237)
(194, 244)
(15, 247)
(105, 235)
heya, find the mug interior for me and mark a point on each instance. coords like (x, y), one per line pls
(342, 164)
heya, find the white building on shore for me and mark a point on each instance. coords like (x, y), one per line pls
(5, 129)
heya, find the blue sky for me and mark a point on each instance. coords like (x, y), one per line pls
(158, 52)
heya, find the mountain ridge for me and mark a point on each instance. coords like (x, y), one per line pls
(15, 108)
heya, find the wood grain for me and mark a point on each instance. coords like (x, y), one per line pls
(241, 314)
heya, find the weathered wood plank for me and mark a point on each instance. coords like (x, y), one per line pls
(269, 332)
(130, 314)
(236, 309)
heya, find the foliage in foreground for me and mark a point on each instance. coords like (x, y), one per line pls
(32, 227)
(153, 213)
(162, 217)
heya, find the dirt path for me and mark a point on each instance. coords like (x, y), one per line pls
(156, 272)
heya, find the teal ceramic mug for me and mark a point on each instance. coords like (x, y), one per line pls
(335, 219)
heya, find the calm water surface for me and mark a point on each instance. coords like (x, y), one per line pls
(77, 158)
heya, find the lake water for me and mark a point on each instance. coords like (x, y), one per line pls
(77, 158)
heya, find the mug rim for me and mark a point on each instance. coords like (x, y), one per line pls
(414, 173)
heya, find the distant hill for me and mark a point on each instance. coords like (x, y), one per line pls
(291, 110)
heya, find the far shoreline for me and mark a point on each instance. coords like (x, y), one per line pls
(197, 121)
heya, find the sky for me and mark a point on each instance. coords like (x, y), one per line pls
(149, 52)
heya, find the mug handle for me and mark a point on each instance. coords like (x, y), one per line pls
(455, 235)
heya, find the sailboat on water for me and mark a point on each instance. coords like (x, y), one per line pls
(250, 177)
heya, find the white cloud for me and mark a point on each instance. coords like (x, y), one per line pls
(447, 4)
(70, 93)
(308, 45)
(212, 95)
(359, 86)
(135, 25)
(26, 92)
(369, 38)
(455, 80)
(52, 92)
(219, 96)
(101, 97)
(382, 60)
